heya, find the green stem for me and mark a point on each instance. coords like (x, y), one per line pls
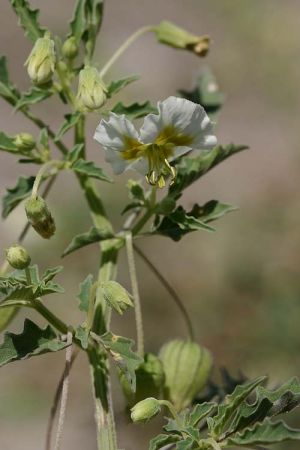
(124, 47)
(148, 214)
(136, 295)
(172, 410)
(38, 179)
(50, 317)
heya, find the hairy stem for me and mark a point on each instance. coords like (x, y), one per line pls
(170, 290)
(136, 295)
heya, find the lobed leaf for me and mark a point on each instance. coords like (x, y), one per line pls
(115, 86)
(33, 96)
(7, 89)
(81, 240)
(163, 439)
(7, 143)
(70, 121)
(28, 19)
(16, 194)
(89, 169)
(32, 341)
(135, 110)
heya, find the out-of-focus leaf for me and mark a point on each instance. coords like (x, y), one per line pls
(162, 440)
(211, 211)
(32, 341)
(7, 143)
(81, 240)
(28, 19)
(115, 86)
(89, 169)
(51, 273)
(84, 295)
(7, 89)
(78, 22)
(70, 121)
(135, 110)
(6, 316)
(35, 95)
(16, 194)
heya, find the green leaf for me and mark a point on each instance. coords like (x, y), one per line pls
(198, 413)
(28, 19)
(32, 341)
(211, 211)
(85, 290)
(51, 273)
(78, 23)
(94, 15)
(70, 121)
(265, 433)
(89, 169)
(206, 93)
(18, 292)
(7, 143)
(16, 194)
(190, 170)
(166, 206)
(6, 316)
(116, 86)
(225, 412)
(186, 444)
(35, 95)
(82, 334)
(120, 349)
(7, 89)
(75, 153)
(284, 399)
(81, 240)
(161, 440)
(179, 223)
(135, 110)
(136, 191)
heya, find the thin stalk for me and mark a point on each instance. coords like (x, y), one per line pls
(50, 316)
(148, 214)
(124, 47)
(39, 177)
(136, 295)
(64, 393)
(170, 290)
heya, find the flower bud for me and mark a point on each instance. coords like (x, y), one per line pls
(150, 378)
(169, 34)
(187, 367)
(41, 61)
(91, 89)
(116, 296)
(145, 410)
(40, 217)
(24, 141)
(70, 48)
(17, 257)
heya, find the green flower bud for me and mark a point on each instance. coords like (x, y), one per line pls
(187, 367)
(18, 257)
(116, 296)
(70, 48)
(24, 141)
(40, 217)
(169, 34)
(145, 410)
(91, 89)
(150, 378)
(41, 61)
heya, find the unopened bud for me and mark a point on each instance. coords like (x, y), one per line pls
(70, 48)
(18, 257)
(145, 410)
(24, 141)
(40, 217)
(116, 296)
(41, 61)
(170, 34)
(91, 89)
(187, 367)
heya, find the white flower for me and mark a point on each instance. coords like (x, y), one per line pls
(179, 126)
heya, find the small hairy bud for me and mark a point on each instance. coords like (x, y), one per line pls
(70, 48)
(41, 61)
(187, 367)
(18, 257)
(116, 296)
(174, 36)
(39, 216)
(91, 89)
(145, 410)
(24, 141)
(150, 378)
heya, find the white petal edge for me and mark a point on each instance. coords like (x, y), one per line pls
(110, 133)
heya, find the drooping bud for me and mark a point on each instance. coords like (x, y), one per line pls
(116, 296)
(91, 89)
(70, 48)
(187, 367)
(40, 217)
(18, 257)
(150, 378)
(146, 409)
(41, 61)
(24, 142)
(170, 34)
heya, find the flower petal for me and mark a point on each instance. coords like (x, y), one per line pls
(112, 133)
(186, 118)
(114, 157)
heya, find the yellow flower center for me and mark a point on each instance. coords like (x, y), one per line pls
(157, 154)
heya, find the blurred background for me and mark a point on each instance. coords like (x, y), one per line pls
(241, 284)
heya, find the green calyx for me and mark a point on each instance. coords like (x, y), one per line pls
(40, 217)
(145, 410)
(187, 366)
(18, 257)
(41, 61)
(24, 142)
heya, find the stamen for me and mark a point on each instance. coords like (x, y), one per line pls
(159, 166)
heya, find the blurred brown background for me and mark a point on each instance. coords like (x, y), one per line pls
(240, 284)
